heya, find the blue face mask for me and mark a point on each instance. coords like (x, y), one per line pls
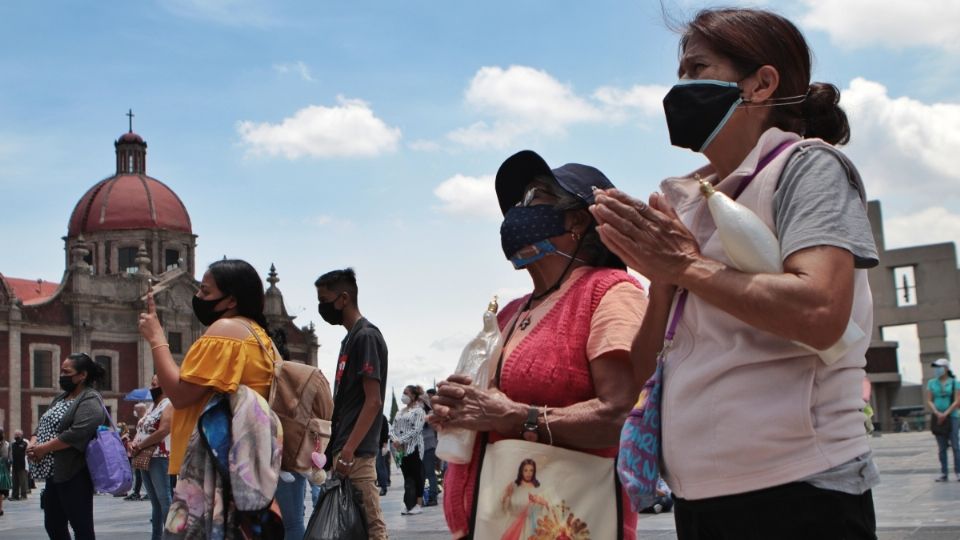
(938, 371)
(526, 230)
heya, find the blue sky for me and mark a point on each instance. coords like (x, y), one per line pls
(318, 135)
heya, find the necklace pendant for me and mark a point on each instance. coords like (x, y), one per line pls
(525, 323)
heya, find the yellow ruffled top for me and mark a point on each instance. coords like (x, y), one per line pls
(222, 364)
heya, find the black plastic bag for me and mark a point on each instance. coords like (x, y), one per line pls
(339, 513)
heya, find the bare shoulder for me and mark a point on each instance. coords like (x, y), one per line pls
(228, 327)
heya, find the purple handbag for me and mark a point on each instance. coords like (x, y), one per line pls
(107, 460)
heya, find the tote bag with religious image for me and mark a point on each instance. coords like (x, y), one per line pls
(536, 491)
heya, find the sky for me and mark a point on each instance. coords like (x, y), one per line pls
(317, 135)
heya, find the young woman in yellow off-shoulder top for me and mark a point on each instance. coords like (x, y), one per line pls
(230, 301)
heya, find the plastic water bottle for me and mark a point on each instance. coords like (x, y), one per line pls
(455, 445)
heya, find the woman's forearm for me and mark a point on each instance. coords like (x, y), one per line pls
(810, 302)
(588, 424)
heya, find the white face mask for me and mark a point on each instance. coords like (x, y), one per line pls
(405, 399)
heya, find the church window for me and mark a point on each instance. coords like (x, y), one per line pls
(175, 339)
(905, 284)
(130, 163)
(171, 259)
(42, 369)
(106, 362)
(126, 260)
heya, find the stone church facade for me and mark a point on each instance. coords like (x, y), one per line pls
(128, 232)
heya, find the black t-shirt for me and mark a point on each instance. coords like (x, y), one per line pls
(363, 354)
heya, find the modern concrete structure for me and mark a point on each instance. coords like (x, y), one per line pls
(914, 285)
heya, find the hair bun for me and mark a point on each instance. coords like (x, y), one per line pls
(823, 117)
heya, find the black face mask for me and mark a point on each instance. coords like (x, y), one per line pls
(67, 384)
(330, 313)
(205, 312)
(155, 393)
(528, 225)
(18, 439)
(697, 110)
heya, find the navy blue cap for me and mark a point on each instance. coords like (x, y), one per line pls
(521, 168)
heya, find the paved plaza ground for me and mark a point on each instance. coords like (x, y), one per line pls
(910, 505)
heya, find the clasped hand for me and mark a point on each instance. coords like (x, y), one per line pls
(650, 238)
(460, 404)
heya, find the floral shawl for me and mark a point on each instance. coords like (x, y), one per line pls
(230, 471)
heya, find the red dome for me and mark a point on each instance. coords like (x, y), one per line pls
(129, 201)
(130, 137)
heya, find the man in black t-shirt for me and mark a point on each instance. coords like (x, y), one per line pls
(358, 392)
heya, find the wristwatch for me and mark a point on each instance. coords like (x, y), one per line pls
(531, 429)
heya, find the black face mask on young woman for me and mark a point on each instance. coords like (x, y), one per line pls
(205, 310)
(697, 110)
(67, 384)
(330, 313)
(155, 393)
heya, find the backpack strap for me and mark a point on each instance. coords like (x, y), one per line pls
(274, 354)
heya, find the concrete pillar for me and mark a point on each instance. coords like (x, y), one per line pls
(16, 366)
(933, 344)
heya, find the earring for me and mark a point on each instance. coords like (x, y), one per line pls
(575, 235)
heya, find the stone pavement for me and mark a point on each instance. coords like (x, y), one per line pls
(910, 505)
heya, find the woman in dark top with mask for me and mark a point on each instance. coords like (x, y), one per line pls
(57, 449)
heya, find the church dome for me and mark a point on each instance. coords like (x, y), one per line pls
(130, 199)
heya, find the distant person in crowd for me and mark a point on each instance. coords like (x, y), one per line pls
(228, 354)
(18, 456)
(139, 410)
(761, 437)
(943, 397)
(432, 491)
(6, 482)
(57, 449)
(153, 435)
(580, 291)
(406, 436)
(359, 391)
(383, 457)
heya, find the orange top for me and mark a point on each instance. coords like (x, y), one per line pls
(222, 364)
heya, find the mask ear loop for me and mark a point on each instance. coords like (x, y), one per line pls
(788, 100)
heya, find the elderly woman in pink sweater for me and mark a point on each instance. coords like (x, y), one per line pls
(761, 439)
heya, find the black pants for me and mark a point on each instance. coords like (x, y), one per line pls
(69, 502)
(412, 469)
(791, 511)
(21, 484)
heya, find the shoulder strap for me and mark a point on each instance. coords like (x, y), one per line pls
(105, 411)
(274, 354)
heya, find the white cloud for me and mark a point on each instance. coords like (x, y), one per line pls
(349, 129)
(468, 195)
(648, 99)
(422, 145)
(890, 23)
(904, 147)
(298, 67)
(521, 100)
(928, 226)
(227, 12)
